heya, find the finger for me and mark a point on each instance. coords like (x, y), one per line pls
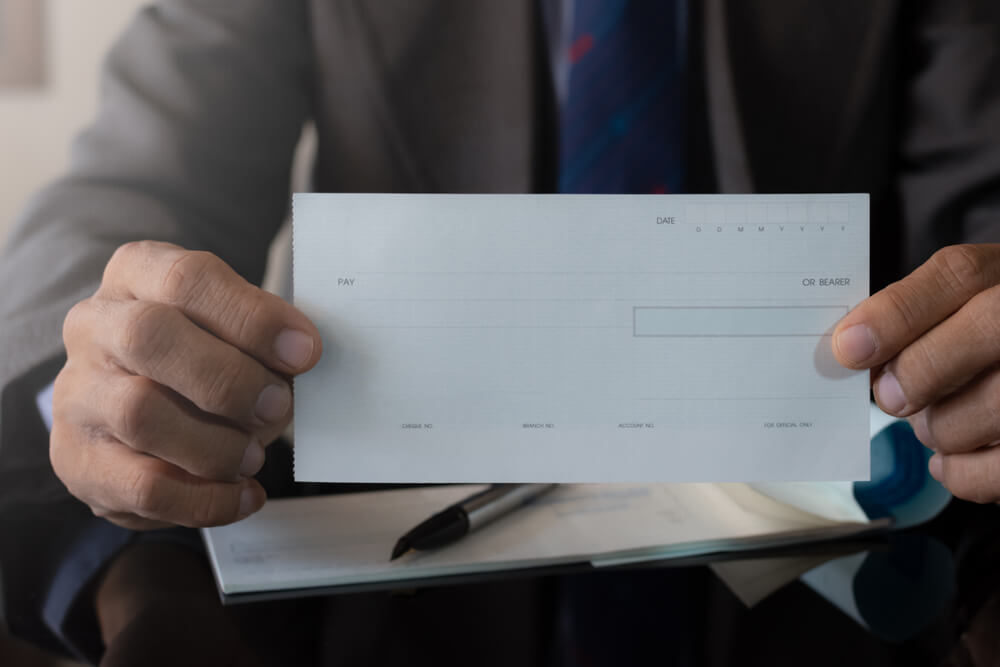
(154, 420)
(65, 453)
(944, 359)
(965, 421)
(126, 520)
(973, 476)
(127, 482)
(158, 342)
(881, 326)
(133, 522)
(218, 299)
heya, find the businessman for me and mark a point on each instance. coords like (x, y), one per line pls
(136, 273)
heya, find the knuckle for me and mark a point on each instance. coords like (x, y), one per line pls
(247, 314)
(985, 318)
(961, 268)
(214, 463)
(134, 416)
(220, 387)
(143, 493)
(941, 439)
(991, 406)
(125, 255)
(58, 456)
(974, 481)
(63, 393)
(213, 506)
(922, 372)
(140, 336)
(992, 399)
(75, 324)
(900, 302)
(186, 277)
(935, 430)
(70, 458)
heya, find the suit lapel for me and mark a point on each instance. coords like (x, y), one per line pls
(457, 83)
(788, 85)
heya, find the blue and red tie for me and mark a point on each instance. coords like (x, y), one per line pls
(621, 125)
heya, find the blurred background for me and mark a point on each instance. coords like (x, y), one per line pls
(50, 58)
(50, 55)
(39, 114)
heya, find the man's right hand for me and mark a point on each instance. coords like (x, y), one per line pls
(177, 377)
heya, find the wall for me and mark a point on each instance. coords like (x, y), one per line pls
(36, 126)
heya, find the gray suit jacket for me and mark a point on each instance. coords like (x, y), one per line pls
(202, 104)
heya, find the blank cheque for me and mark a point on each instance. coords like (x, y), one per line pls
(579, 338)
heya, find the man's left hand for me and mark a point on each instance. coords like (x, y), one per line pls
(932, 341)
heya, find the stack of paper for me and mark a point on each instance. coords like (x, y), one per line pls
(331, 541)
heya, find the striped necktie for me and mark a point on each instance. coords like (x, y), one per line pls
(621, 127)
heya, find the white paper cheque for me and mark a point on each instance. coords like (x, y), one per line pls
(579, 338)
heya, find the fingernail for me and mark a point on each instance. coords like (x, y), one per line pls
(248, 502)
(253, 458)
(273, 403)
(293, 347)
(856, 343)
(890, 394)
(936, 467)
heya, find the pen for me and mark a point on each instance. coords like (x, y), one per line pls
(463, 517)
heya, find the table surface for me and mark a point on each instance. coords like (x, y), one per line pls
(925, 596)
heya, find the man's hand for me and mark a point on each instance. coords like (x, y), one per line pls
(932, 341)
(177, 377)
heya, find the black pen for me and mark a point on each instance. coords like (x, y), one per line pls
(463, 517)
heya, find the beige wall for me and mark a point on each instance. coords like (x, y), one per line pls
(36, 126)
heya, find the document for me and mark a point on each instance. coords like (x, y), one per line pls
(577, 338)
(321, 543)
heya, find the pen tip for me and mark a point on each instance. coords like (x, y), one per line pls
(402, 546)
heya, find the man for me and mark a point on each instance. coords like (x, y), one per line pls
(176, 366)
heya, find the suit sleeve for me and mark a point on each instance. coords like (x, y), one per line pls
(201, 107)
(950, 136)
